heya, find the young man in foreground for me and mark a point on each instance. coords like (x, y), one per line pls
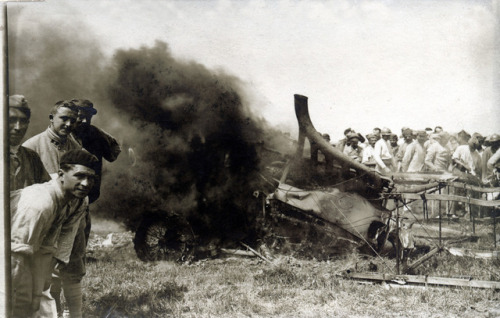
(38, 213)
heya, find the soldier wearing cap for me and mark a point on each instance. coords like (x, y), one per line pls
(493, 144)
(344, 142)
(354, 150)
(56, 139)
(414, 158)
(383, 153)
(44, 220)
(407, 140)
(94, 140)
(26, 168)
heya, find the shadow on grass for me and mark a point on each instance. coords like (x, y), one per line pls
(140, 303)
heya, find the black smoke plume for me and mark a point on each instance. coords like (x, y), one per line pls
(194, 142)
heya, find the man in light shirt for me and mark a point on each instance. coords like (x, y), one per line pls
(438, 157)
(382, 153)
(414, 158)
(44, 221)
(56, 139)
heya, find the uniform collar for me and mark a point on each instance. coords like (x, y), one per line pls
(56, 139)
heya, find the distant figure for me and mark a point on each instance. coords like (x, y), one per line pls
(382, 153)
(438, 157)
(368, 158)
(466, 158)
(463, 137)
(394, 144)
(26, 168)
(438, 129)
(353, 150)
(408, 139)
(480, 140)
(344, 142)
(377, 132)
(428, 131)
(493, 144)
(414, 158)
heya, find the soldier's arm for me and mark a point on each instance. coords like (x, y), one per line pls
(493, 159)
(109, 145)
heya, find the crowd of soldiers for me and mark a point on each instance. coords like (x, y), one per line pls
(54, 177)
(473, 156)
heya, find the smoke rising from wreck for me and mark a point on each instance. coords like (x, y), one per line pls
(189, 140)
(194, 140)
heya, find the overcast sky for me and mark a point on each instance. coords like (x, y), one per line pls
(361, 63)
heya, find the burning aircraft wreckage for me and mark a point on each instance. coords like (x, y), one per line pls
(316, 202)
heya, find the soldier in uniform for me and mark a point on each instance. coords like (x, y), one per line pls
(43, 224)
(26, 168)
(56, 139)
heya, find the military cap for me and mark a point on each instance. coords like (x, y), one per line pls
(19, 102)
(493, 138)
(79, 157)
(421, 133)
(85, 105)
(385, 131)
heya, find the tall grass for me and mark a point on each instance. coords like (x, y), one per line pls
(288, 287)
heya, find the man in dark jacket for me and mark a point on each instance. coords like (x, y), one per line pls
(26, 168)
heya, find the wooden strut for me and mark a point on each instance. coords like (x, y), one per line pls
(255, 252)
(424, 280)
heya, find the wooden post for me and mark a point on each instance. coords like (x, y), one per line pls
(5, 275)
(448, 201)
(439, 216)
(398, 246)
(495, 230)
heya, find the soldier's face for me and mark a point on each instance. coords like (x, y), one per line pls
(372, 141)
(84, 119)
(63, 121)
(18, 124)
(408, 137)
(78, 181)
(421, 138)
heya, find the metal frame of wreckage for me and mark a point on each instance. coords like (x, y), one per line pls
(422, 187)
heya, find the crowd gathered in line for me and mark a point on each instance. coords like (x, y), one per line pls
(54, 178)
(433, 150)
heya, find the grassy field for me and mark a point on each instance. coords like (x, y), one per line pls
(119, 285)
